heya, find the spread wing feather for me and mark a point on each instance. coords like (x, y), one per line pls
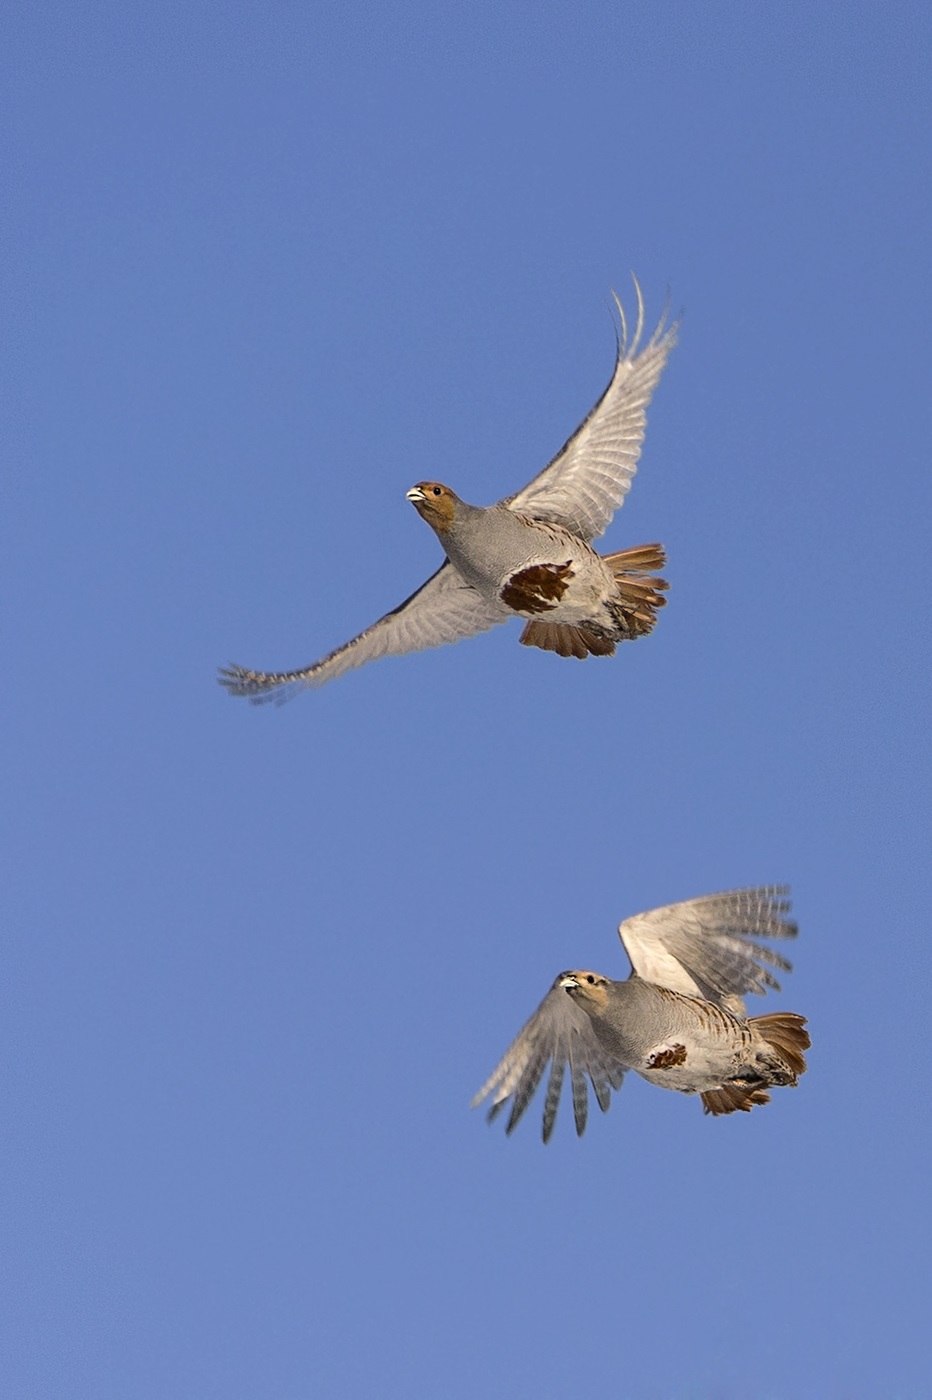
(444, 609)
(589, 477)
(560, 1033)
(706, 947)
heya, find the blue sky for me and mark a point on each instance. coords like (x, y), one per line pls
(263, 268)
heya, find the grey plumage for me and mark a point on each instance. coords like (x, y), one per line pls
(679, 1020)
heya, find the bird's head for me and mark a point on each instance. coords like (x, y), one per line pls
(584, 987)
(435, 503)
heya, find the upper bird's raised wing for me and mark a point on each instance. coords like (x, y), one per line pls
(444, 609)
(705, 947)
(559, 1031)
(589, 477)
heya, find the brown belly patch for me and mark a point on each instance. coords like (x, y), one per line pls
(538, 588)
(667, 1058)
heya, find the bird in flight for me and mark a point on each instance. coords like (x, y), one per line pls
(531, 554)
(679, 1020)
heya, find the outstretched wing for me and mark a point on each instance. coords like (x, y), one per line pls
(589, 477)
(444, 609)
(705, 947)
(559, 1032)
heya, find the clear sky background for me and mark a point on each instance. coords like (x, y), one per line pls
(263, 268)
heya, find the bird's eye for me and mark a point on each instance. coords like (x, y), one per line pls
(591, 980)
(437, 491)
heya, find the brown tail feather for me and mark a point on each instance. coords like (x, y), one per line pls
(640, 559)
(731, 1098)
(566, 640)
(785, 1032)
(640, 593)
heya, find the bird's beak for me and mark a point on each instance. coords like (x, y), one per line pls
(568, 980)
(415, 495)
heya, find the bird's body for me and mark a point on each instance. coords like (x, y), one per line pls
(530, 555)
(675, 1041)
(541, 571)
(678, 1020)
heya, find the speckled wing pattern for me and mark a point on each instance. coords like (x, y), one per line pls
(589, 477)
(559, 1032)
(444, 609)
(705, 947)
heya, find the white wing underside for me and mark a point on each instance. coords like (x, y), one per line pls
(445, 609)
(589, 477)
(705, 947)
(561, 1033)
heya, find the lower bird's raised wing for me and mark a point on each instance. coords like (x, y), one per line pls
(561, 1032)
(705, 947)
(444, 609)
(589, 477)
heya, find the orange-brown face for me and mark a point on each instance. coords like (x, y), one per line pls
(585, 986)
(434, 503)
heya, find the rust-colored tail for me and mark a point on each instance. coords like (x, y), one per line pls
(785, 1033)
(786, 1036)
(639, 589)
(731, 1098)
(566, 640)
